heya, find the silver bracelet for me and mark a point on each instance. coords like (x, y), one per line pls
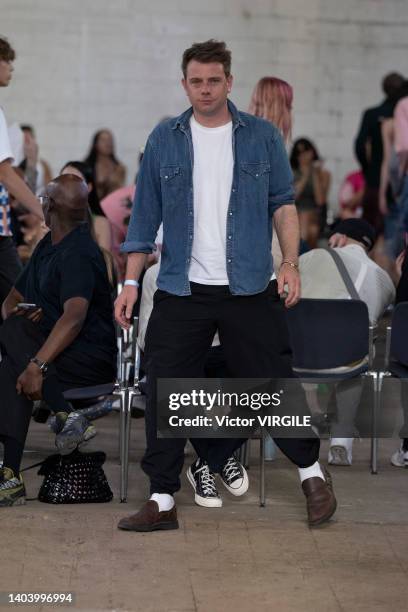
(132, 283)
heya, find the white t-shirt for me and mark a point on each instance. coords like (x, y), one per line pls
(320, 278)
(5, 154)
(212, 181)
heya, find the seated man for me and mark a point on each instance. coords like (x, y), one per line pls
(67, 341)
(321, 279)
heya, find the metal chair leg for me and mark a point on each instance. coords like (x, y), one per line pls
(123, 441)
(377, 380)
(262, 470)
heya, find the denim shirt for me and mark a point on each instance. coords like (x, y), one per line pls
(262, 182)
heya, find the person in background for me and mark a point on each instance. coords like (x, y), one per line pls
(312, 184)
(100, 224)
(351, 196)
(401, 148)
(369, 148)
(272, 100)
(10, 181)
(108, 172)
(352, 240)
(391, 186)
(400, 457)
(37, 172)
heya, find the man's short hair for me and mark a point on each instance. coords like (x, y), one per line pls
(206, 52)
(391, 84)
(7, 53)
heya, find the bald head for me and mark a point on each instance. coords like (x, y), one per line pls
(68, 199)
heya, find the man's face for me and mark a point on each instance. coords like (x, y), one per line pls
(6, 70)
(207, 87)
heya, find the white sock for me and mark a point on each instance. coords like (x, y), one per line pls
(311, 472)
(164, 501)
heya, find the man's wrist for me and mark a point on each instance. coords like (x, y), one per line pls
(41, 365)
(131, 283)
(293, 263)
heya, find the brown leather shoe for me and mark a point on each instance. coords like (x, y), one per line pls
(321, 503)
(150, 519)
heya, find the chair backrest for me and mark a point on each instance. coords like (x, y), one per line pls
(328, 333)
(399, 334)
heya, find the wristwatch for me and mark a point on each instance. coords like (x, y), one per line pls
(43, 365)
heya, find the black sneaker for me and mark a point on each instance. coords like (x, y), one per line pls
(203, 483)
(12, 490)
(76, 429)
(234, 477)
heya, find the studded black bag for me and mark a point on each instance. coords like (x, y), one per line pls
(77, 478)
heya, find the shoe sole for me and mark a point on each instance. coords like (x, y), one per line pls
(339, 456)
(70, 444)
(19, 501)
(242, 489)
(396, 463)
(202, 501)
(154, 527)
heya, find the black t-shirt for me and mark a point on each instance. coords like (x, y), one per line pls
(74, 267)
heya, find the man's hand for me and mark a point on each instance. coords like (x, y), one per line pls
(289, 276)
(30, 382)
(34, 315)
(124, 306)
(337, 241)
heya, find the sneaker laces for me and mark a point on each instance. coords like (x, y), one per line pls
(231, 469)
(207, 480)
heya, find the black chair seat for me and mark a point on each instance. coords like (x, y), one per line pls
(334, 376)
(86, 393)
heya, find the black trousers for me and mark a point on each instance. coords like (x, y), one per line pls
(254, 336)
(10, 266)
(20, 340)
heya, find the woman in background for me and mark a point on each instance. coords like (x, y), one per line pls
(312, 184)
(108, 173)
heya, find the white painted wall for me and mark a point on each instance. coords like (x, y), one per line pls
(87, 64)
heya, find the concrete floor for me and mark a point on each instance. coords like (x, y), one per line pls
(239, 557)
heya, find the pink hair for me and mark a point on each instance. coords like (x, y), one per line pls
(272, 100)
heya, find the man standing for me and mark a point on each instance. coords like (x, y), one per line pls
(369, 148)
(10, 265)
(215, 177)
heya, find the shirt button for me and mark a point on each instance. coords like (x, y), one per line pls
(234, 190)
(229, 261)
(191, 236)
(190, 213)
(256, 175)
(230, 214)
(229, 237)
(166, 177)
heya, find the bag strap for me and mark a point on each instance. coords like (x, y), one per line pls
(343, 273)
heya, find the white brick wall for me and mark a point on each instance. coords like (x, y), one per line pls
(91, 64)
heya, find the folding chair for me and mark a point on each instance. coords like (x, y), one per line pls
(118, 389)
(327, 334)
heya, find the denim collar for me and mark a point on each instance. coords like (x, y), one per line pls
(183, 120)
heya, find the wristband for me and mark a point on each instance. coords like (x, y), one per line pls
(290, 263)
(131, 283)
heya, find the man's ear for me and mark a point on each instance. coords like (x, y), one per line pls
(230, 80)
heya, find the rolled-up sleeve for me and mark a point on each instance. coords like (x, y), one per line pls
(146, 214)
(281, 188)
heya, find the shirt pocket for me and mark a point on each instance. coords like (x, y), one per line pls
(254, 178)
(172, 185)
